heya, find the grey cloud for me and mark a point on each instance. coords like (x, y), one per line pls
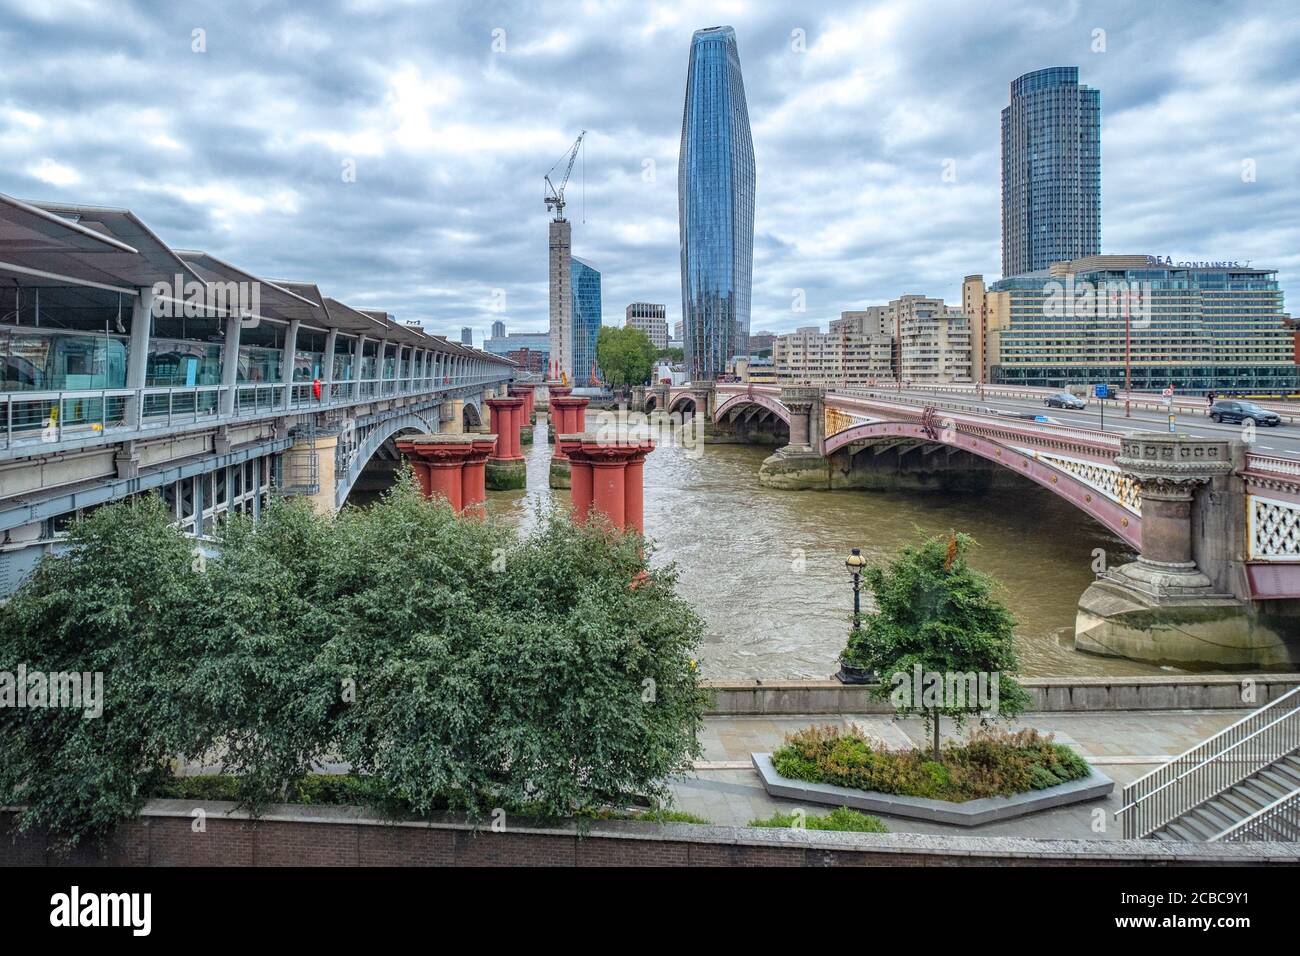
(239, 150)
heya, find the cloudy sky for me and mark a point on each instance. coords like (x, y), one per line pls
(235, 127)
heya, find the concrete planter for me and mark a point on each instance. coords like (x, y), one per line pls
(968, 814)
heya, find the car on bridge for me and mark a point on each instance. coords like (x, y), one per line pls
(1064, 400)
(1235, 412)
(1025, 416)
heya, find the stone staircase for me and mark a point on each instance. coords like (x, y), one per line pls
(1242, 784)
(1219, 817)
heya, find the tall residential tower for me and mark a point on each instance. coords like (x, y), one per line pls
(715, 204)
(1051, 171)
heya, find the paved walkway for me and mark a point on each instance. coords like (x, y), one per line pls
(726, 790)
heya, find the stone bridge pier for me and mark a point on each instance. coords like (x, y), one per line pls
(800, 464)
(705, 395)
(1185, 600)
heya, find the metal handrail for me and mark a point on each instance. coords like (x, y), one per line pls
(46, 417)
(1282, 814)
(1202, 772)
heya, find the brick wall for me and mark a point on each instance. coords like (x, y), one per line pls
(342, 836)
(1046, 694)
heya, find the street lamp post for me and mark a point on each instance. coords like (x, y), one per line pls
(850, 674)
(855, 562)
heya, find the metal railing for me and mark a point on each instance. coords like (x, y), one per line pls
(1280, 820)
(50, 417)
(1256, 741)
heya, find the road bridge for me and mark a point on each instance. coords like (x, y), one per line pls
(1215, 523)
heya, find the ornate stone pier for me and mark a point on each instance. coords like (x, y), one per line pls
(568, 417)
(450, 467)
(608, 476)
(1176, 603)
(506, 468)
(800, 464)
(705, 396)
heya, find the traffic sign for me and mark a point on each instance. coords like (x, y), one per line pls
(1099, 391)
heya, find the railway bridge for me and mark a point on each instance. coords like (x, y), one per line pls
(131, 367)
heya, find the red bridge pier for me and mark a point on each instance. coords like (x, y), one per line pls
(607, 477)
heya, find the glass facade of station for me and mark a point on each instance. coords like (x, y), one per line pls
(715, 186)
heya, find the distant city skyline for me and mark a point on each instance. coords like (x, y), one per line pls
(406, 174)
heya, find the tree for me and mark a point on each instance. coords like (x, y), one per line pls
(450, 662)
(625, 354)
(940, 638)
(120, 603)
(673, 356)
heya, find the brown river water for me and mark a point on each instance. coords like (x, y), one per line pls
(765, 568)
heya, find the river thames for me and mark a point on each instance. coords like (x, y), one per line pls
(765, 568)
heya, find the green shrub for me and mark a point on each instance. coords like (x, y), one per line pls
(841, 818)
(991, 763)
(672, 816)
(386, 637)
(1040, 778)
(317, 788)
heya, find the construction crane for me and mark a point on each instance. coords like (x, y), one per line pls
(554, 195)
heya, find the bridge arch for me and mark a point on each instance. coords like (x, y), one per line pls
(681, 402)
(358, 448)
(1089, 497)
(470, 414)
(738, 403)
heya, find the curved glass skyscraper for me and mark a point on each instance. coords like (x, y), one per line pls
(715, 206)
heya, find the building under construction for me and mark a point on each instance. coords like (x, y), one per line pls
(572, 355)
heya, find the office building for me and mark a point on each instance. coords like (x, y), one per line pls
(715, 184)
(651, 319)
(585, 322)
(1051, 171)
(1194, 325)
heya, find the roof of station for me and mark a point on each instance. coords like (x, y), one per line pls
(45, 244)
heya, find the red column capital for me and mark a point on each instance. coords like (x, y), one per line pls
(439, 461)
(505, 422)
(615, 485)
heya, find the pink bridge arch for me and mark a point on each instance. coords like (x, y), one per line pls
(677, 396)
(745, 399)
(988, 444)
